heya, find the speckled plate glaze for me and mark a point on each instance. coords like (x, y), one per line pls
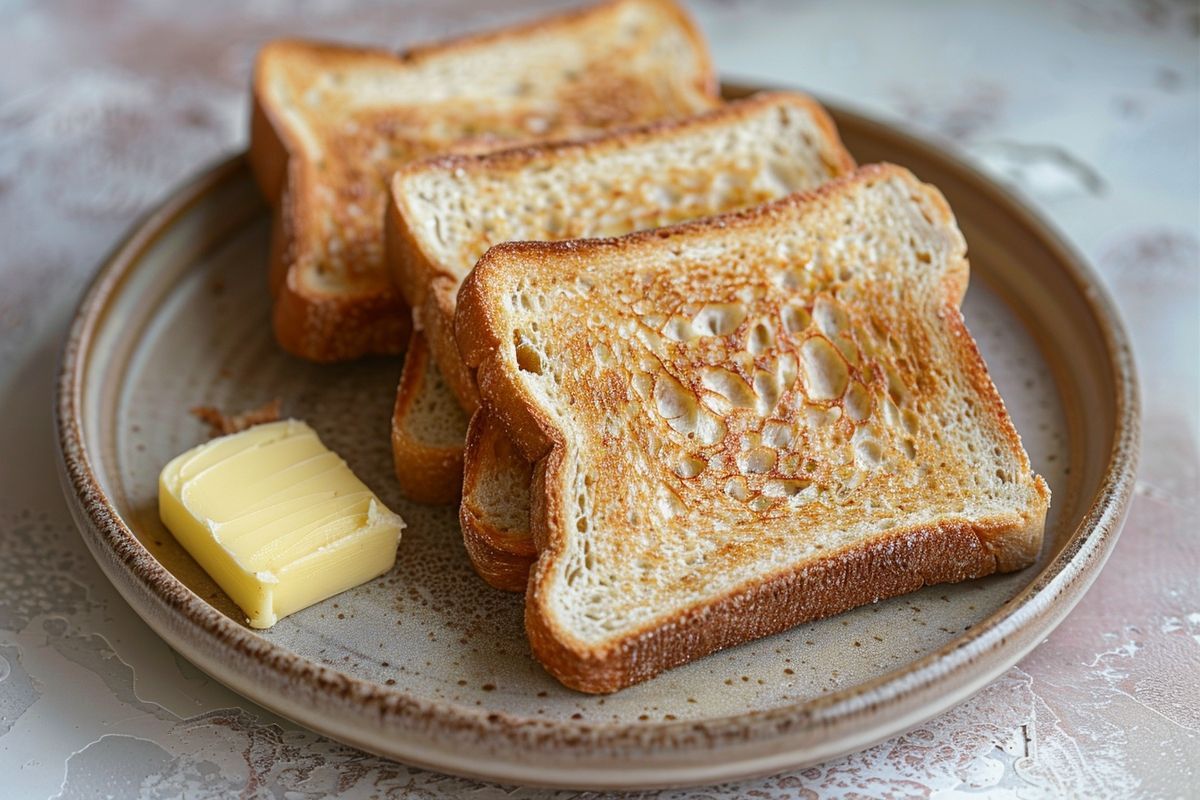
(429, 665)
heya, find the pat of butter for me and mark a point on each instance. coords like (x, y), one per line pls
(277, 519)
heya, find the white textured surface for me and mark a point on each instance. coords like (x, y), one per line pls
(1090, 110)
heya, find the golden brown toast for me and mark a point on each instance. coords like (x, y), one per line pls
(745, 423)
(330, 124)
(446, 212)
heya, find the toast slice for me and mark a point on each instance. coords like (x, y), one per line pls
(330, 124)
(446, 212)
(494, 513)
(746, 423)
(427, 441)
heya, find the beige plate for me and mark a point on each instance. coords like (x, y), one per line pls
(428, 664)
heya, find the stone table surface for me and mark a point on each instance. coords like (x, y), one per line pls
(1090, 111)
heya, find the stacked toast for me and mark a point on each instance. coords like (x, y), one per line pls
(691, 375)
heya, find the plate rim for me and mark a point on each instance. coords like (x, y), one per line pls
(1041, 604)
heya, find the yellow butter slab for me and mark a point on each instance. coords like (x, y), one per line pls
(277, 519)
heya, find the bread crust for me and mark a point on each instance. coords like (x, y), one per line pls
(268, 155)
(437, 318)
(332, 329)
(502, 557)
(427, 473)
(903, 562)
(508, 572)
(900, 561)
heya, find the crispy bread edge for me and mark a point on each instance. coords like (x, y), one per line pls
(884, 567)
(504, 561)
(426, 473)
(268, 155)
(500, 569)
(328, 330)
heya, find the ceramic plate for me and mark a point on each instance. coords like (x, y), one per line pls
(428, 664)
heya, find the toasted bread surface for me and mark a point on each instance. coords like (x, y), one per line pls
(746, 422)
(427, 433)
(330, 124)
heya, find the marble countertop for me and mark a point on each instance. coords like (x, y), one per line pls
(1089, 110)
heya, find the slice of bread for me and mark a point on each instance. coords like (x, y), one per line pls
(446, 212)
(427, 441)
(746, 423)
(495, 506)
(330, 124)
